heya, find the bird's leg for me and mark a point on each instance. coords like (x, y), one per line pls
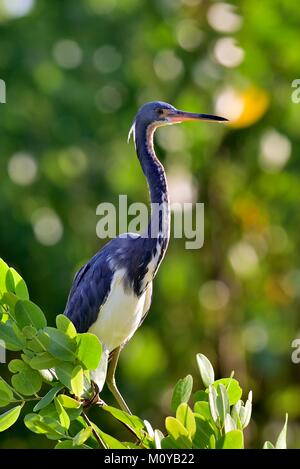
(94, 399)
(111, 381)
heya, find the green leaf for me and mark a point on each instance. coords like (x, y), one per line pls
(206, 370)
(49, 411)
(9, 418)
(132, 421)
(268, 445)
(204, 431)
(201, 396)
(110, 441)
(9, 299)
(29, 314)
(64, 373)
(281, 440)
(185, 415)
(235, 414)
(77, 381)
(64, 324)
(60, 345)
(45, 425)
(178, 432)
(89, 350)
(47, 398)
(39, 343)
(26, 380)
(68, 402)
(175, 428)
(29, 332)
(6, 394)
(229, 424)
(212, 400)
(82, 436)
(158, 437)
(9, 281)
(130, 445)
(222, 402)
(149, 428)
(27, 383)
(68, 444)
(16, 284)
(17, 365)
(62, 414)
(182, 392)
(27, 356)
(245, 411)
(42, 361)
(233, 440)
(202, 409)
(72, 406)
(12, 336)
(169, 443)
(212, 442)
(3, 271)
(234, 390)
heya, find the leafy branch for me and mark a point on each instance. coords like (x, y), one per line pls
(56, 363)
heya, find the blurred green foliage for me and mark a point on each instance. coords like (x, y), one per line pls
(75, 74)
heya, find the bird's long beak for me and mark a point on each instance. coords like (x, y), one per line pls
(181, 116)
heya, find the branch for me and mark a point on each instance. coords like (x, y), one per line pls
(95, 433)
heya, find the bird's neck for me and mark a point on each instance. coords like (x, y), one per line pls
(159, 225)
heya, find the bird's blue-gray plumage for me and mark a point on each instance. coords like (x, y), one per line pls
(92, 284)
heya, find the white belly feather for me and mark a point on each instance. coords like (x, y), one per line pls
(120, 315)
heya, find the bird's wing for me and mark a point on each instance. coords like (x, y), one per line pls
(89, 291)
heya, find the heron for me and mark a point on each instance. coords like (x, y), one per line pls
(111, 294)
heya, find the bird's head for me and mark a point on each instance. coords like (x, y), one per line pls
(158, 113)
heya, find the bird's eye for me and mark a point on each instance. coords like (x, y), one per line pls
(160, 112)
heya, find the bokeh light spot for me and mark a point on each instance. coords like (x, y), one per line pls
(255, 337)
(182, 188)
(109, 99)
(242, 107)
(172, 139)
(243, 259)
(227, 53)
(102, 7)
(72, 161)
(18, 8)
(275, 151)
(214, 295)
(167, 65)
(67, 53)
(47, 226)
(223, 18)
(188, 34)
(107, 59)
(22, 169)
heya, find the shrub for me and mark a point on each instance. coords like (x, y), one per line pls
(53, 370)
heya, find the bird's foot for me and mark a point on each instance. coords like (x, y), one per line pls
(95, 399)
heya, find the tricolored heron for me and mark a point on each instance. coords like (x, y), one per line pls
(111, 294)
